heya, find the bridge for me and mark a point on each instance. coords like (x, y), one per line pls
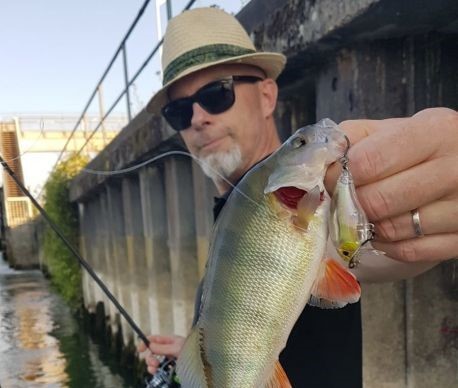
(30, 144)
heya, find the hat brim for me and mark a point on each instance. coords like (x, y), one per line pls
(271, 63)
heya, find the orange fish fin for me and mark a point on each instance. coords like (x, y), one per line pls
(279, 378)
(334, 286)
(306, 208)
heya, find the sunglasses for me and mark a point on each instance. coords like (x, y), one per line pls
(215, 97)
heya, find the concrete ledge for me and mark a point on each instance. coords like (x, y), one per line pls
(143, 138)
(305, 30)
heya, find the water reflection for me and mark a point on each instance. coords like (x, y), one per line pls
(41, 344)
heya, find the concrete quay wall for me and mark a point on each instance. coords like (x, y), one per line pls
(146, 232)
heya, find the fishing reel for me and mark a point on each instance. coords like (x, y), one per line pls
(164, 377)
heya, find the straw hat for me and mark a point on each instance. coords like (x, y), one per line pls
(204, 37)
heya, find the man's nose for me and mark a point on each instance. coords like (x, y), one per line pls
(200, 117)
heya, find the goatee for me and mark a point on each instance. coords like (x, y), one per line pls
(221, 165)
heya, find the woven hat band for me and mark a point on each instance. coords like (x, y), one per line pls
(202, 55)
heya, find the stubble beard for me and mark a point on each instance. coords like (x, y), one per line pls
(221, 165)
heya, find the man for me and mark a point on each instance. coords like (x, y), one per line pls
(221, 95)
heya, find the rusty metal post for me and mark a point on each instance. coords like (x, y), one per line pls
(126, 80)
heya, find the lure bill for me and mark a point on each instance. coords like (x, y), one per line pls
(267, 260)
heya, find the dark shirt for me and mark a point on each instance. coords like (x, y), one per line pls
(324, 349)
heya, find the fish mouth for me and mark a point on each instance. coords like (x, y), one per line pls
(289, 196)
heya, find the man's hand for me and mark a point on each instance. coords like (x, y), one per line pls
(160, 345)
(404, 164)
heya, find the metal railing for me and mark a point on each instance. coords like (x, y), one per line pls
(121, 50)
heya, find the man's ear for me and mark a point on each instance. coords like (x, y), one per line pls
(269, 94)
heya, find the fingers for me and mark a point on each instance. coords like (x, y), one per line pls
(356, 130)
(432, 248)
(152, 363)
(402, 164)
(394, 145)
(169, 346)
(373, 144)
(159, 346)
(410, 189)
(436, 218)
(156, 344)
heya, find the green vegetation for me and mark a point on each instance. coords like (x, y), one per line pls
(61, 264)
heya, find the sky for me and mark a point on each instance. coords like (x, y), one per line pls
(54, 52)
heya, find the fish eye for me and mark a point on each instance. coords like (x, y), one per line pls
(298, 142)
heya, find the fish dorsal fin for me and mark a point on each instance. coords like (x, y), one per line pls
(190, 367)
(306, 208)
(279, 378)
(334, 286)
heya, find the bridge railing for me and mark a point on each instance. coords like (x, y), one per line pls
(97, 92)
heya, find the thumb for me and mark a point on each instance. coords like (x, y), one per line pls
(357, 131)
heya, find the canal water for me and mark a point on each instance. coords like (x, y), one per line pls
(42, 344)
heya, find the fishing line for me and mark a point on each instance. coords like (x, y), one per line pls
(200, 162)
(169, 153)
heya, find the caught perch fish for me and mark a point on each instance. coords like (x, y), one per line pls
(266, 261)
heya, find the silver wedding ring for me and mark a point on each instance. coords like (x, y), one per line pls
(416, 223)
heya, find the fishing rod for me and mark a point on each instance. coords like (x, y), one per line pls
(164, 376)
(73, 250)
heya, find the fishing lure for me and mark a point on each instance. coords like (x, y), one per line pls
(349, 227)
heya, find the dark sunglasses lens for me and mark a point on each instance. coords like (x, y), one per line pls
(178, 114)
(216, 97)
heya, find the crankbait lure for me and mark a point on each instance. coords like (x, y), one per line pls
(350, 230)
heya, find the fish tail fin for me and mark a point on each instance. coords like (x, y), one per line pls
(334, 286)
(279, 378)
(191, 370)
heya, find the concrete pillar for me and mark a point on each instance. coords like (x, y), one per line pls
(85, 231)
(363, 82)
(136, 263)
(110, 276)
(296, 108)
(95, 249)
(204, 193)
(432, 331)
(368, 82)
(119, 249)
(182, 241)
(384, 335)
(160, 302)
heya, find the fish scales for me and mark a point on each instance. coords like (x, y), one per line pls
(263, 260)
(251, 287)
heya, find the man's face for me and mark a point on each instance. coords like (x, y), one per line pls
(232, 141)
